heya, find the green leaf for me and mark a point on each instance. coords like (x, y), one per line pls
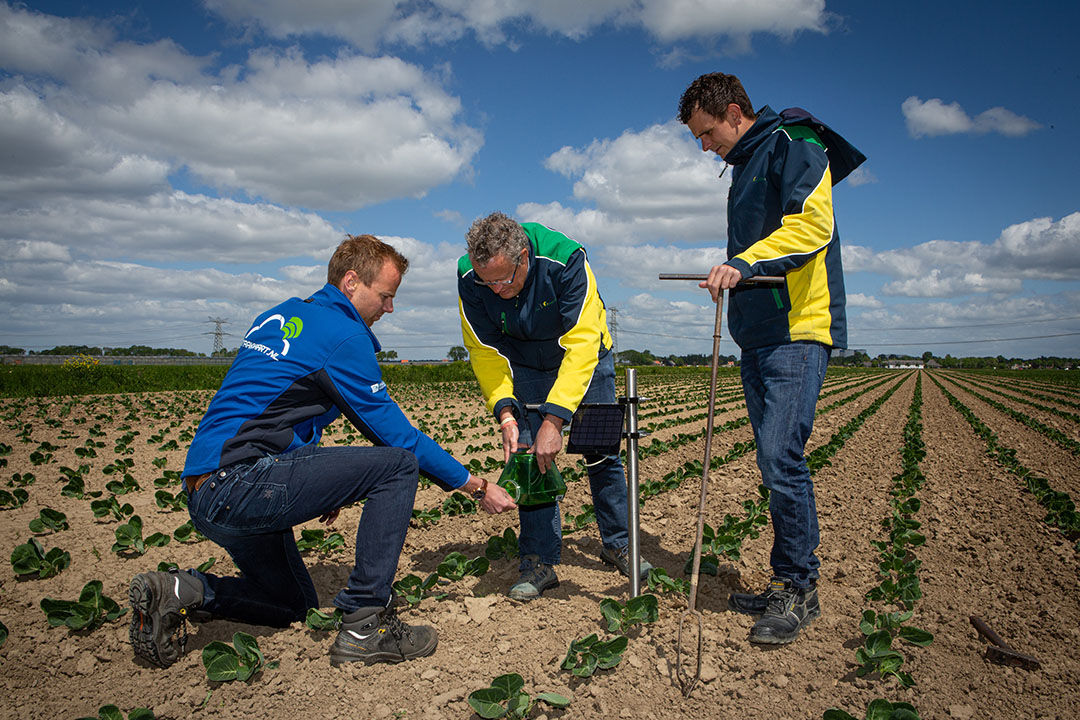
(612, 611)
(587, 666)
(879, 710)
(916, 636)
(835, 714)
(486, 702)
(554, 699)
(221, 660)
(510, 684)
(878, 642)
(141, 714)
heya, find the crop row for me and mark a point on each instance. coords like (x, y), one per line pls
(1061, 510)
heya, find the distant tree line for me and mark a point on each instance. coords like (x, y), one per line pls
(134, 350)
(862, 359)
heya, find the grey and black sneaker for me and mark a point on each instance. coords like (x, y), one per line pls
(375, 634)
(536, 577)
(620, 558)
(160, 605)
(788, 609)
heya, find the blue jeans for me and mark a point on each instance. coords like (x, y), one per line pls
(781, 384)
(541, 526)
(250, 510)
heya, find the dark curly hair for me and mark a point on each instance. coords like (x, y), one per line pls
(713, 93)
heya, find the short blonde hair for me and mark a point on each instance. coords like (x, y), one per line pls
(365, 255)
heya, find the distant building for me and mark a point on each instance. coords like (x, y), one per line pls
(905, 364)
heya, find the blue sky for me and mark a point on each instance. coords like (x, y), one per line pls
(165, 163)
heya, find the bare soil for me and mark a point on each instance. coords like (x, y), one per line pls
(987, 553)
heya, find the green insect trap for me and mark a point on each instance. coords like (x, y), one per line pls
(522, 479)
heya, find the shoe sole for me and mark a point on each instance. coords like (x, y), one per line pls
(141, 630)
(526, 597)
(785, 640)
(341, 657)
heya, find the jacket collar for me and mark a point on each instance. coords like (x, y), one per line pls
(330, 297)
(766, 123)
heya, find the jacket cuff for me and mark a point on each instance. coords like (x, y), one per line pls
(556, 410)
(505, 402)
(741, 265)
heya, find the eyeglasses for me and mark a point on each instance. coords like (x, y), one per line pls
(498, 283)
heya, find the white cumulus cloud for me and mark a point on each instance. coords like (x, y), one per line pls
(933, 117)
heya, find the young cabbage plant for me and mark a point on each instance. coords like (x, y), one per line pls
(129, 539)
(877, 655)
(456, 566)
(877, 710)
(90, 611)
(637, 611)
(187, 534)
(502, 546)
(112, 712)
(506, 697)
(659, 581)
(589, 654)
(49, 520)
(414, 590)
(32, 558)
(318, 620)
(239, 661)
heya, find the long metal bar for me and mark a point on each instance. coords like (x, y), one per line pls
(753, 280)
(632, 480)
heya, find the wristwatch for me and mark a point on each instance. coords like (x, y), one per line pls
(480, 492)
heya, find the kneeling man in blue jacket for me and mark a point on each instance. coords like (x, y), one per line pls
(255, 470)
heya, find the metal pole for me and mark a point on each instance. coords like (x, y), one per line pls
(753, 280)
(632, 481)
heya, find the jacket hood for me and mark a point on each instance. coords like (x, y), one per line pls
(766, 123)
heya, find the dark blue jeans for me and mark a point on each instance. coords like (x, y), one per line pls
(250, 510)
(541, 526)
(781, 384)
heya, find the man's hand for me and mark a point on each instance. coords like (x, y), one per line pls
(548, 442)
(496, 500)
(721, 277)
(510, 434)
(330, 517)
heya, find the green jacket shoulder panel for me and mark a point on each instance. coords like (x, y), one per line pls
(801, 132)
(550, 243)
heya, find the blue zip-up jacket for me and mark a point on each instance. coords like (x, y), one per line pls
(300, 366)
(781, 222)
(556, 323)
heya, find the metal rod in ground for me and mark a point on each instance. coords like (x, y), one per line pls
(689, 683)
(632, 519)
(753, 280)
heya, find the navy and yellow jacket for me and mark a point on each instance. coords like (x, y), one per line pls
(557, 322)
(300, 366)
(781, 222)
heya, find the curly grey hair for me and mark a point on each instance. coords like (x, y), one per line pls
(495, 235)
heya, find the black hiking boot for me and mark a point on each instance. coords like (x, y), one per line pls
(787, 610)
(536, 577)
(375, 634)
(620, 559)
(160, 605)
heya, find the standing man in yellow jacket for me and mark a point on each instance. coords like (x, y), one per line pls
(536, 331)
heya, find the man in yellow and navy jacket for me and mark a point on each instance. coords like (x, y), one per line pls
(780, 222)
(536, 330)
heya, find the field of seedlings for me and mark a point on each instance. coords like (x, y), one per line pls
(941, 495)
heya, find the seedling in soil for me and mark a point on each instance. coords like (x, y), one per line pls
(588, 654)
(894, 623)
(586, 517)
(507, 698)
(877, 710)
(458, 504)
(90, 611)
(502, 546)
(169, 502)
(14, 499)
(877, 655)
(49, 520)
(31, 558)
(239, 661)
(112, 712)
(123, 486)
(455, 566)
(111, 506)
(168, 478)
(659, 581)
(318, 540)
(414, 590)
(129, 539)
(76, 488)
(187, 534)
(423, 518)
(21, 480)
(318, 620)
(637, 611)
